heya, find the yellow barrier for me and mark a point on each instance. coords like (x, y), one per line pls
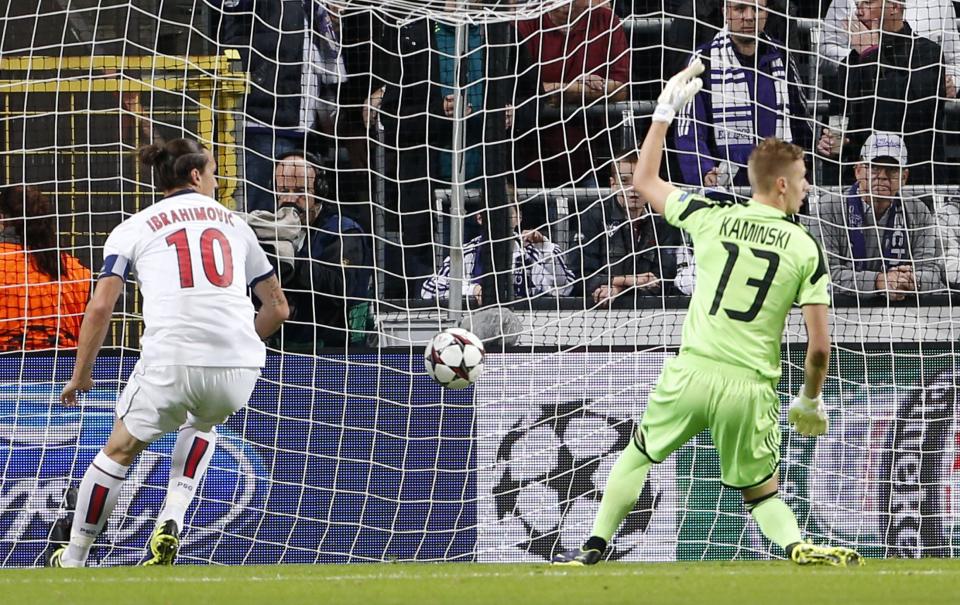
(71, 124)
(208, 87)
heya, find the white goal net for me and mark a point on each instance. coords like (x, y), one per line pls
(472, 164)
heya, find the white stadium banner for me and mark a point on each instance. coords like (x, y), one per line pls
(549, 429)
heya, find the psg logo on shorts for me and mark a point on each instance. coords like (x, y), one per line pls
(552, 475)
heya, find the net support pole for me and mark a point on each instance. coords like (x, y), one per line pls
(379, 220)
(498, 286)
(458, 187)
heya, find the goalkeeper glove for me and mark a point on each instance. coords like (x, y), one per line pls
(679, 90)
(808, 416)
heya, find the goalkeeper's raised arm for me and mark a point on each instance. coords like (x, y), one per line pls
(680, 89)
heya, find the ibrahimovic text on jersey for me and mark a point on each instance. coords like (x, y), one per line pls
(194, 262)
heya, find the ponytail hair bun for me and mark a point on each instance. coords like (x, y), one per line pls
(173, 161)
(152, 154)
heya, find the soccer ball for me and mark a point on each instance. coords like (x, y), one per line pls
(454, 358)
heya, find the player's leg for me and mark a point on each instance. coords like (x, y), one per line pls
(624, 485)
(745, 426)
(746, 432)
(97, 495)
(774, 518)
(673, 416)
(778, 523)
(217, 393)
(149, 406)
(191, 455)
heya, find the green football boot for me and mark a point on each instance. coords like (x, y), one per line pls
(805, 553)
(164, 544)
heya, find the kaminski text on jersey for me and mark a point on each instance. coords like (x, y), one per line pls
(747, 231)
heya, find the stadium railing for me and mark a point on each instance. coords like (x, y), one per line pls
(655, 321)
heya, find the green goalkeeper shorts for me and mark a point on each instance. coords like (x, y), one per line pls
(740, 408)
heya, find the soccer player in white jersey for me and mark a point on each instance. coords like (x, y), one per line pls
(202, 346)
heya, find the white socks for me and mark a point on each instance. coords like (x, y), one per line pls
(98, 495)
(191, 456)
(101, 485)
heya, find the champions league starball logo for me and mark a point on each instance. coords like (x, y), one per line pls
(552, 470)
(45, 448)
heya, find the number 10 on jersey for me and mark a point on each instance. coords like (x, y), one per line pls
(221, 278)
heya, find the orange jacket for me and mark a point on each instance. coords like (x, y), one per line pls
(35, 311)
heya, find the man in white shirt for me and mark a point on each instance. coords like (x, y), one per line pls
(202, 346)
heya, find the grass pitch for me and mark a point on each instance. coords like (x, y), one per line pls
(900, 582)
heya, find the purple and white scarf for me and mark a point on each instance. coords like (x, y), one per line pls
(734, 106)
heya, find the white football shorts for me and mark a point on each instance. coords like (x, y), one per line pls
(161, 399)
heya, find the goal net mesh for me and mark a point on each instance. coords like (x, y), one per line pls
(471, 163)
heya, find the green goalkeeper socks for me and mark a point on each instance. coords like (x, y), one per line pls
(623, 488)
(776, 521)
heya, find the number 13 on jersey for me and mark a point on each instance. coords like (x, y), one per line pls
(762, 284)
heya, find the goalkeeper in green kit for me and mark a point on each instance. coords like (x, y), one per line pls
(753, 264)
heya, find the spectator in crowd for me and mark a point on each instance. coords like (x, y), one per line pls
(43, 291)
(292, 53)
(895, 83)
(622, 244)
(328, 289)
(877, 240)
(844, 32)
(582, 57)
(751, 91)
(696, 22)
(538, 264)
(948, 218)
(349, 148)
(416, 68)
(134, 123)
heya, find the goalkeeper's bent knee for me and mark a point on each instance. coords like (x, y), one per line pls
(638, 443)
(754, 503)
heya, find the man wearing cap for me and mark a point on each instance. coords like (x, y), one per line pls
(876, 240)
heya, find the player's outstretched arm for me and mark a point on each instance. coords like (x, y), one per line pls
(680, 89)
(274, 309)
(807, 414)
(96, 321)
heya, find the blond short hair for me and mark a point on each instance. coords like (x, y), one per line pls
(769, 161)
